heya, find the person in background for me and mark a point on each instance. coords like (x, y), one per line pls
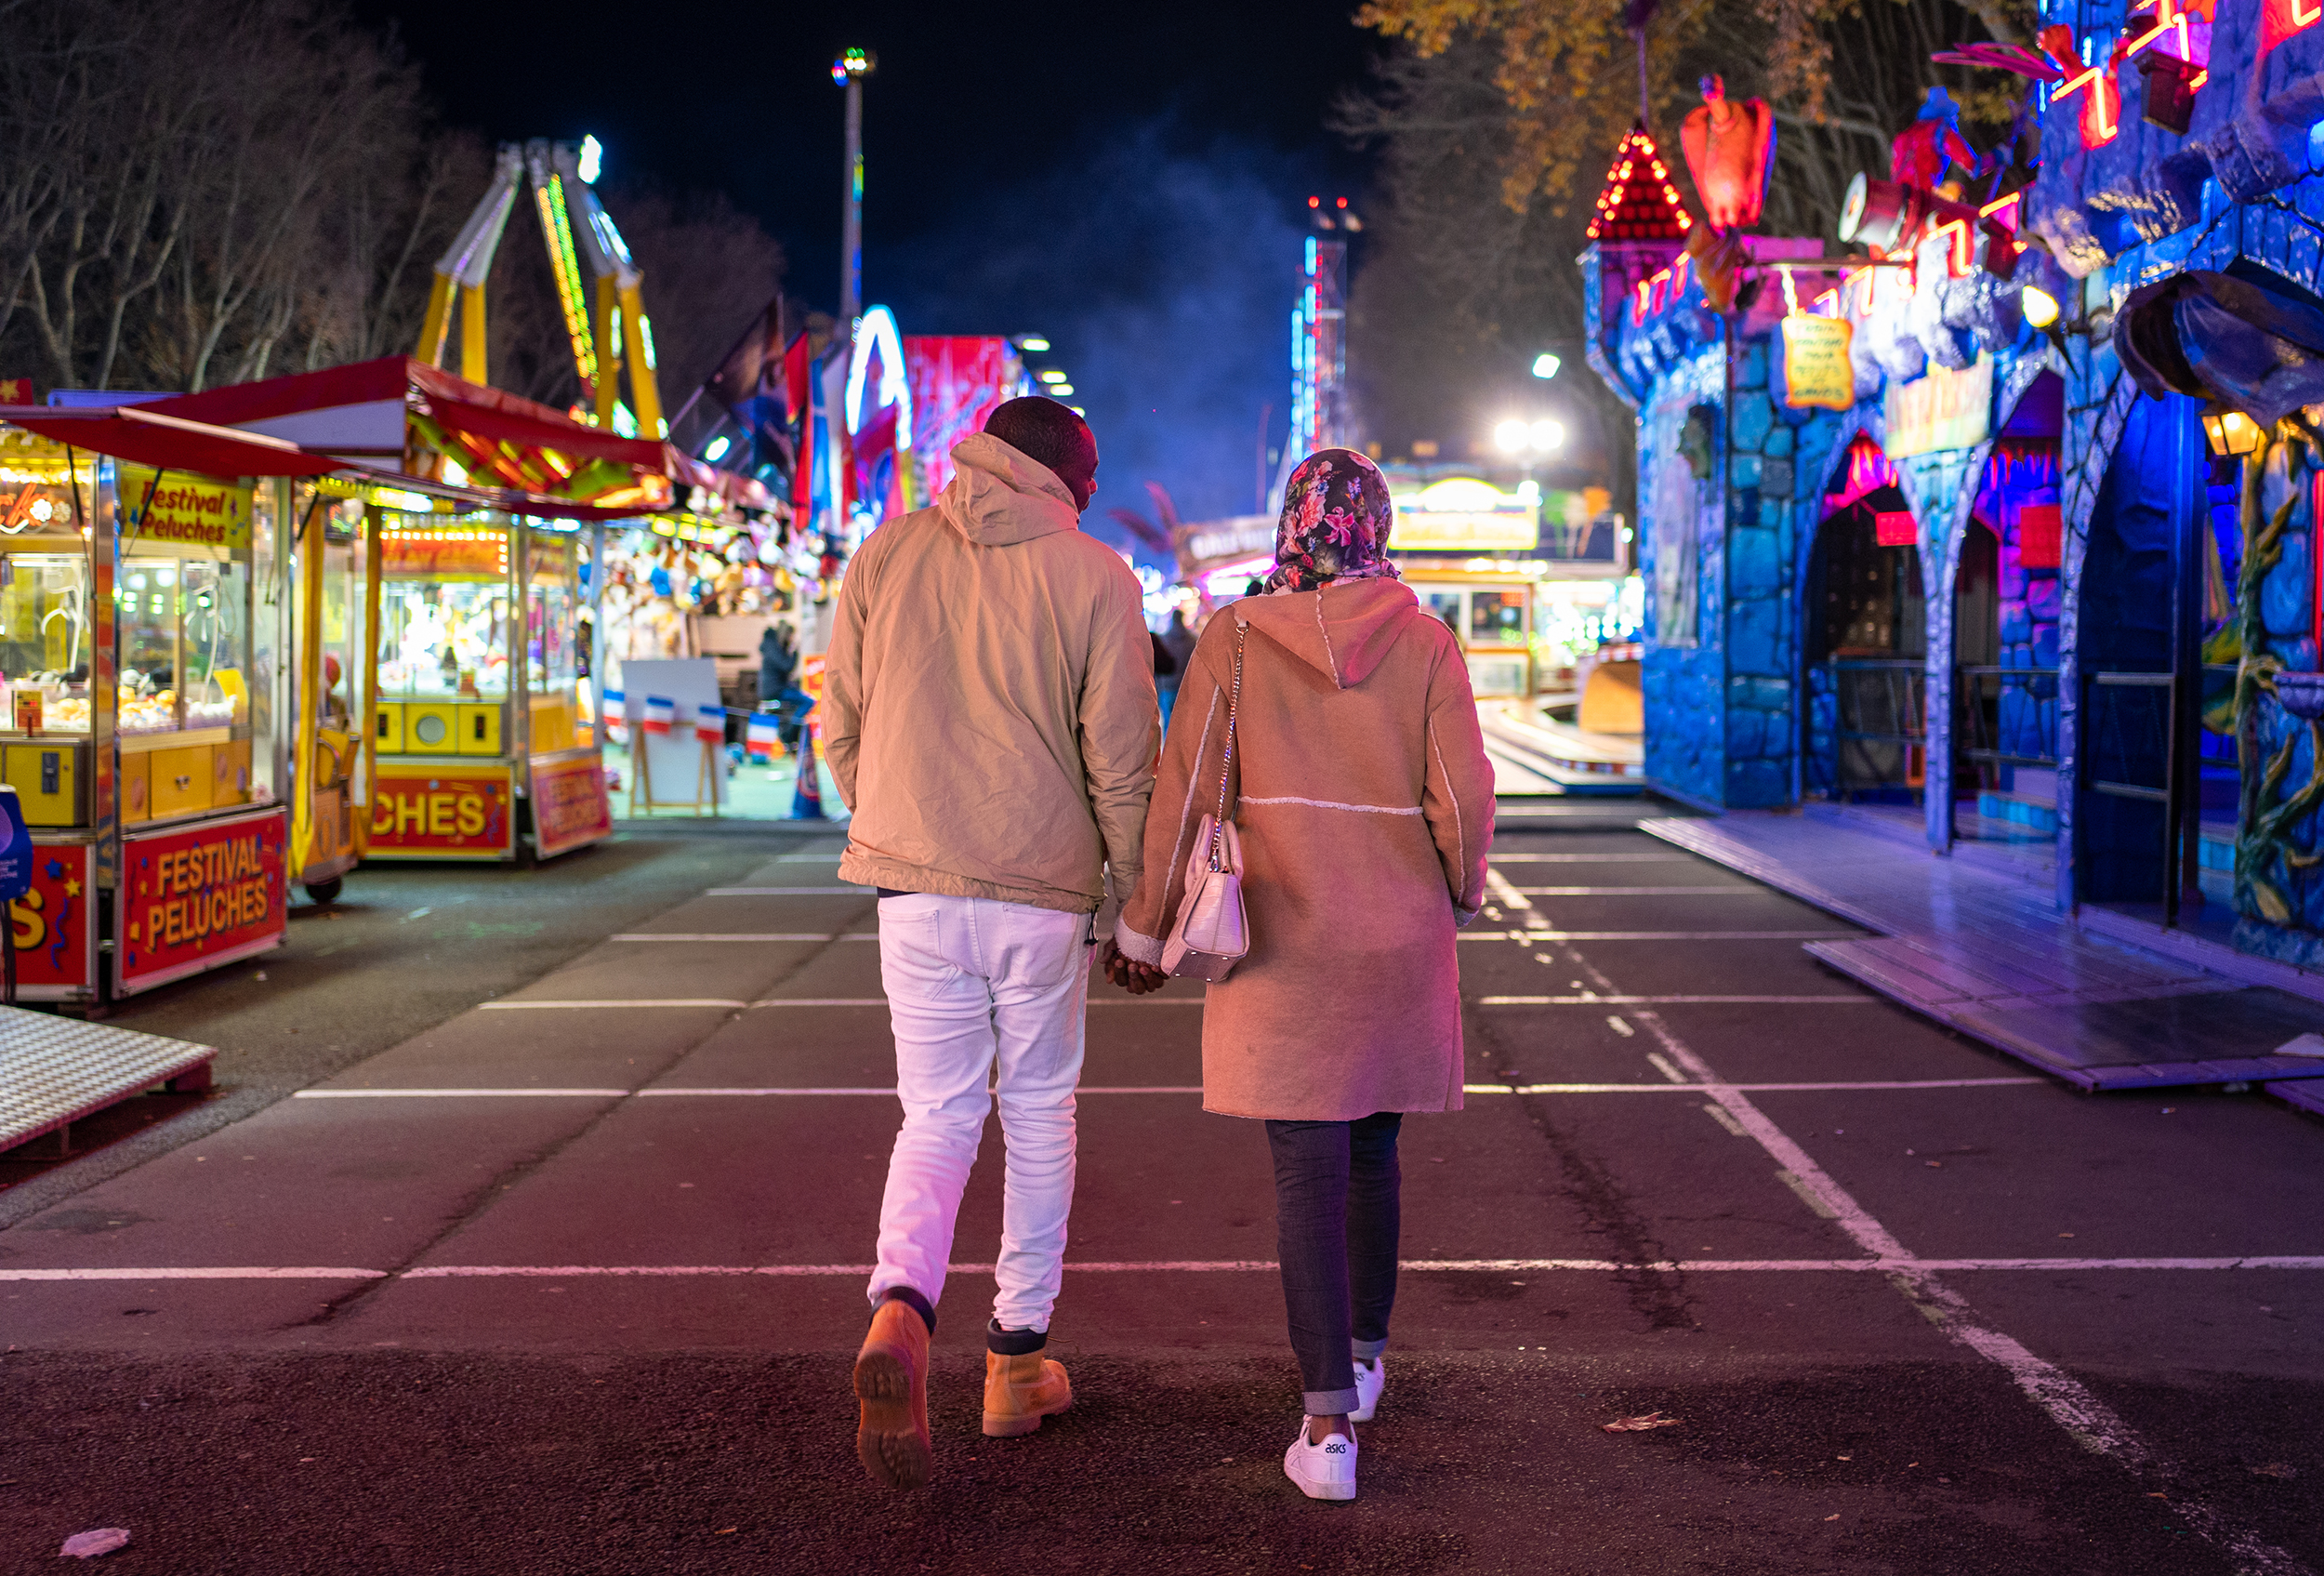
(1165, 667)
(990, 719)
(778, 661)
(1178, 641)
(1364, 800)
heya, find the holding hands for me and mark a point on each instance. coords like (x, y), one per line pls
(1135, 977)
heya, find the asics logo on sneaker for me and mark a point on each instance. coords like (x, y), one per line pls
(1337, 1447)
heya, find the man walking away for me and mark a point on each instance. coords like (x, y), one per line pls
(1178, 641)
(990, 719)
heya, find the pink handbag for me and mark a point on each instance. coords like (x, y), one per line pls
(1212, 932)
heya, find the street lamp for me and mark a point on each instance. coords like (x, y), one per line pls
(1545, 366)
(849, 72)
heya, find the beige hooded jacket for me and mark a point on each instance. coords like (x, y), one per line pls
(1365, 803)
(988, 706)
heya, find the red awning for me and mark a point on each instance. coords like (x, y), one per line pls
(145, 436)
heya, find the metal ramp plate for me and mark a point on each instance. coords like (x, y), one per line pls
(57, 1070)
(1992, 957)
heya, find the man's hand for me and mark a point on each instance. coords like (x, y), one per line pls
(1135, 977)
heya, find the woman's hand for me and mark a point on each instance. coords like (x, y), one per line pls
(1135, 977)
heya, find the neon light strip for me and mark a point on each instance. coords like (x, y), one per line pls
(559, 229)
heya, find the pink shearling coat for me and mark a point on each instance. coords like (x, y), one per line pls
(1365, 804)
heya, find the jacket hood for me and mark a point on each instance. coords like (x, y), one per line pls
(1342, 632)
(998, 497)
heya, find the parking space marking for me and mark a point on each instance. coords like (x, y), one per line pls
(1652, 935)
(1194, 1266)
(788, 892)
(758, 1091)
(697, 935)
(631, 1002)
(2071, 1404)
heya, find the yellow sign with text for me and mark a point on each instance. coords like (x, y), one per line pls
(1816, 368)
(174, 511)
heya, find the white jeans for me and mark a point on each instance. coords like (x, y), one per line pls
(971, 980)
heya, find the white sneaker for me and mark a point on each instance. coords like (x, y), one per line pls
(1325, 1471)
(1370, 1379)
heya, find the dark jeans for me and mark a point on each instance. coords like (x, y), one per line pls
(1337, 1218)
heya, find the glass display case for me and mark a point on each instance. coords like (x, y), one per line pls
(479, 723)
(129, 611)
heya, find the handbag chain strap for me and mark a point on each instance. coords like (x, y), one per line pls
(1226, 764)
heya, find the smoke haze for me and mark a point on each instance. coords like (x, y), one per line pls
(1163, 269)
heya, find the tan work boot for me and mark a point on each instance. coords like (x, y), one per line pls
(891, 1382)
(1021, 1391)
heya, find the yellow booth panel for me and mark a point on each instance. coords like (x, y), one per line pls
(181, 780)
(387, 728)
(137, 787)
(230, 774)
(428, 727)
(480, 729)
(1613, 700)
(46, 779)
(553, 724)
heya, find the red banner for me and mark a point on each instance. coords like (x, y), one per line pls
(2040, 535)
(53, 952)
(425, 812)
(957, 381)
(195, 898)
(570, 806)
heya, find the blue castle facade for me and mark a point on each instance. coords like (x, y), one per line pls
(1990, 575)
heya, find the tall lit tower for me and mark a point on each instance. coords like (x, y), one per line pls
(1319, 346)
(849, 72)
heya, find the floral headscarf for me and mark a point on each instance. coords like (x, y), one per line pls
(1335, 523)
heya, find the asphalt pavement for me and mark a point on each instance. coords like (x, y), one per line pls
(527, 1233)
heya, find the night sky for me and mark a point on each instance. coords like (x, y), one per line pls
(1130, 181)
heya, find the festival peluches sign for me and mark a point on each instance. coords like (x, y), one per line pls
(195, 898)
(177, 511)
(1816, 368)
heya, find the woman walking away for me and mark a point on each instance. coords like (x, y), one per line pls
(1333, 721)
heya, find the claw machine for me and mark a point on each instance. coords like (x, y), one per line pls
(135, 715)
(477, 722)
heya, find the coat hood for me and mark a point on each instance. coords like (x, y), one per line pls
(998, 497)
(1342, 632)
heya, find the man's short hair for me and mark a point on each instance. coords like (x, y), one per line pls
(1045, 429)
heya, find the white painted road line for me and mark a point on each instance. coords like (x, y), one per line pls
(201, 1272)
(2299, 1262)
(690, 936)
(788, 892)
(452, 1094)
(1635, 935)
(1593, 1000)
(750, 1092)
(1730, 889)
(1598, 859)
(765, 1090)
(654, 1002)
(2071, 1404)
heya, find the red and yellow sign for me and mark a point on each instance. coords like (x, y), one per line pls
(196, 898)
(56, 953)
(182, 510)
(570, 805)
(421, 812)
(427, 553)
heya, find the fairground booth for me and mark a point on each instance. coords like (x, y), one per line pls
(446, 599)
(145, 719)
(2004, 520)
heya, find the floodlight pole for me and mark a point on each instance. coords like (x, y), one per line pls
(848, 71)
